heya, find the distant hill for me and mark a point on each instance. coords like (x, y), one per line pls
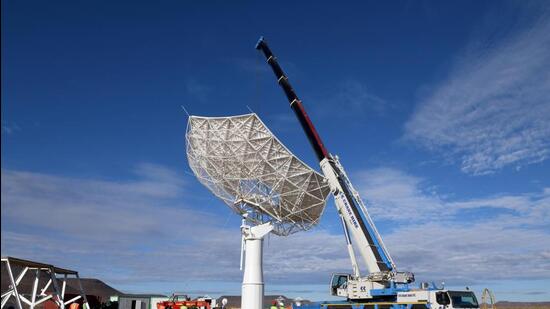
(522, 305)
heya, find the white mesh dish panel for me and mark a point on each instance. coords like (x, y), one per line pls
(245, 165)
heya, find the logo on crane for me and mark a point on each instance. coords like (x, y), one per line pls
(344, 200)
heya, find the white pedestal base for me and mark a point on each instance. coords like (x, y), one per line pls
(253, 279)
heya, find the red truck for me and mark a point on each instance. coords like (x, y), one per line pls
(182, 301)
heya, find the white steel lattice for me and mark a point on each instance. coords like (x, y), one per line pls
(245, 165)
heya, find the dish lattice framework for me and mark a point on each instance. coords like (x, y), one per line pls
(241, 162)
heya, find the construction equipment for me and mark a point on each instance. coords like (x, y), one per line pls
(382, 284)
(49, 284)
(182, 301)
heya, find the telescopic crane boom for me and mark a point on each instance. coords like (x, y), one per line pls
(359, 229)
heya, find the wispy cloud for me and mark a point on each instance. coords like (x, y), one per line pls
(136, 232)
(466, 254)
(505, 236)
(254, 65)
(392, 193)
(127, 210)
(351, 98)
(493, 109)
(9, 127)
(282, 122)
(197, 90)
(355, 95)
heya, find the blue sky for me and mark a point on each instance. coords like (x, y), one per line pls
(439, 112)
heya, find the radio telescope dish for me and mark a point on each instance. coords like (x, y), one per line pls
(241, 162)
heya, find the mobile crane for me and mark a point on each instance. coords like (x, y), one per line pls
(382, 285)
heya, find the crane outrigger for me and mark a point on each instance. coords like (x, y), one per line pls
(382, 284)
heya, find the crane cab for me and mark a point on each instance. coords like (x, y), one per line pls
(358, 288)
(339, 285)
(461, 299)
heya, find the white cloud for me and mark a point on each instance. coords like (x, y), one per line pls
(434, 238)
(142, 230)
(395, 195)
(306, 257)
(92, 209)
(9, 127)
(465, 254)
(494, 109)
(138, 232)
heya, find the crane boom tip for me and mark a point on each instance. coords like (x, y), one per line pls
(260, 41)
